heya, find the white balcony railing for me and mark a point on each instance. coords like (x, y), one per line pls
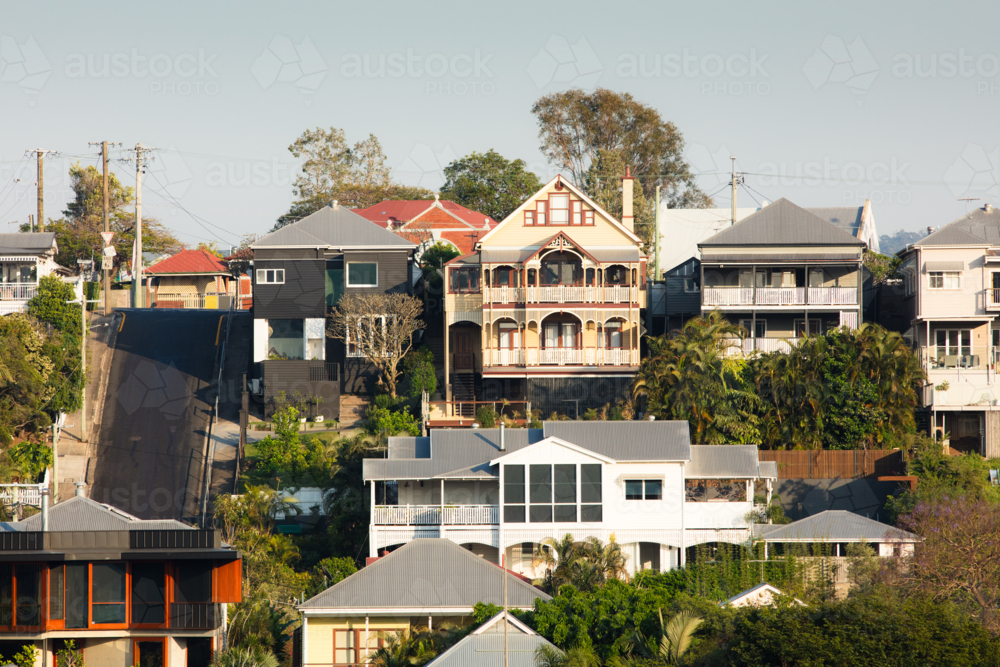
(504, 357)
(728, 296)
(562, 294)
(763, 345)
(435, 515)
(18, 291)
(833, 296)
(781, 296)
(561, 356)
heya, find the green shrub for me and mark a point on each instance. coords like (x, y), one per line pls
(383, 420)
(32, 458)
(26, 656)
(418, 367)
(486, 416)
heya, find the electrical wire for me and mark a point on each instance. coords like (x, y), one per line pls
(196, 218)
(743, 185)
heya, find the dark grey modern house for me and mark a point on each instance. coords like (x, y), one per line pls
(300, 272)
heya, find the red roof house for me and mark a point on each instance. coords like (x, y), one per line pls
(191, 279)
(427, 222)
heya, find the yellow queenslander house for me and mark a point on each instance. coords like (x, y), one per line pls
(546, 309)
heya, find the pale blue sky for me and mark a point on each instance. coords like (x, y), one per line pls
(843, 100)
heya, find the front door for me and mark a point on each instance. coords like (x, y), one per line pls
(149, 653)
(463, 351)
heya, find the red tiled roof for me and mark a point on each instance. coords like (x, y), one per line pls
(189, 262)
(406, 210)
(463, 240)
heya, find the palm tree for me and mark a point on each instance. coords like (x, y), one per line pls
(406, 648)
(244, 657)
(560, 559)
(671, 640)
(547, 655)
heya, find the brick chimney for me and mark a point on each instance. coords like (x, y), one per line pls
(627, 218)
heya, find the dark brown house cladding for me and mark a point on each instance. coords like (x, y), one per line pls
(301, 271)
(126, 591)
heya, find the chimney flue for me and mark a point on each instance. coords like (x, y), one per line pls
(930, 230)
(45, 509)
(988, 208)
(627, 218)
(503, 442)
(81, 489)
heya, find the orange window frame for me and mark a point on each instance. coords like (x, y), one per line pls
(42, 607)
(168, 587)
(136, 657)
(90, 590)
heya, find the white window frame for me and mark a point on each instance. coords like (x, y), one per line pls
(642, 479)
(347, 277)
(262, 277)
(749, 326)
(513, 336)
(347, 343)
(944, 276)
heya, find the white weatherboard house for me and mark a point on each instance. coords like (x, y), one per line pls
(642, 483)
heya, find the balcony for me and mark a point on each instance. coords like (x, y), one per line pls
(993, 299)
(747, 346)
(194, 615)
(18, 291)
(779, 296)
(436, 515)
(561, 356)
(562, 294)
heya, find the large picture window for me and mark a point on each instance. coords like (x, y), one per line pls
(285, 339)
(944, 279)
(148, 589)
(464, 280)
(108, 588)
(513, 494)
(561, 493)
(21, 595)
(362, 274)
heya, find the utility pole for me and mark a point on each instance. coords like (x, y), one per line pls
(40, 154)
(105, 265)
(656, 237)
(138, 293)
(506, 647)
(733, 158)
(31, 222)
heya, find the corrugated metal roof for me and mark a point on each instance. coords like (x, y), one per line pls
(338, 227)
(27, 242)
(630, 254)
(467, 452)
(769, 469)
(486, 650)
(426, 573)
(978, 227)
(738, 461)
(512, 255)
(79, 513)
(847, 218)
(781, 257)
(405, 447)
(781, 224)
(833, 526)
(627, 440)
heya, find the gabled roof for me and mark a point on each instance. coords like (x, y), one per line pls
(190, 262)
(485, 646)
(563, 236)
(833, 526)
(425, 574)
(83, 514)
(757, 595)
(977, 228)
(407, 210)
(579, 193)
(466, 453)
(27, 243)
(782, 223)
(333, 227)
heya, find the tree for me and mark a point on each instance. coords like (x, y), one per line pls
(672, 640)
(489, 183)
(419, 368)
(549, 656)
(575, 126)
(882, 267)
(603, 182)
(406, 648)
(331, 170)
(959, 559)
(244, 657)
(380, 327)
(239, 261)
(78, 232)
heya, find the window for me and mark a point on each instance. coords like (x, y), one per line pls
(24, 610)
(691, 285)
(334, 285)
(950, 347)
(590, 493)
(192, 604)
(559, 209)
(57, 582)
(815, 327)
(715, 490)
(612, 335)
(510, 336)
(356, 345)
(285, 339)
(362, 274)
(108, 586)
(759, 330)
(643, 489)
(540, 493)
(77, 595)
(616, 275)
(529, 217)
(577, 218)
(588, 217)
(148, 588)
(513, 494)
(464, 280)
(505, 276)
(540, 212)
(562, 269)
(149, 652)
(560, 334)
(944, 279)
(270, 276)
(564, 492)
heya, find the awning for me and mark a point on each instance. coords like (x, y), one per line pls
(944, 266)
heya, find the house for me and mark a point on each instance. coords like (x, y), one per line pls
(951, 298)
(497, 491)
(300, 273)
(761, 595)
(127, 591)
(425, 223)
(426, 583)
(783, 273)
(193, 279)
(25, 258)
(486, 645)
(547, 306)
(836, 529)
(678, 297)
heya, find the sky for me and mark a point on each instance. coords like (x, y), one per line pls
(826, 104)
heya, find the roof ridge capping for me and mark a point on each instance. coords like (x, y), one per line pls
(782, 223)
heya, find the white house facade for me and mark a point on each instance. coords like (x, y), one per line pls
(505, 491)
(24, 259)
